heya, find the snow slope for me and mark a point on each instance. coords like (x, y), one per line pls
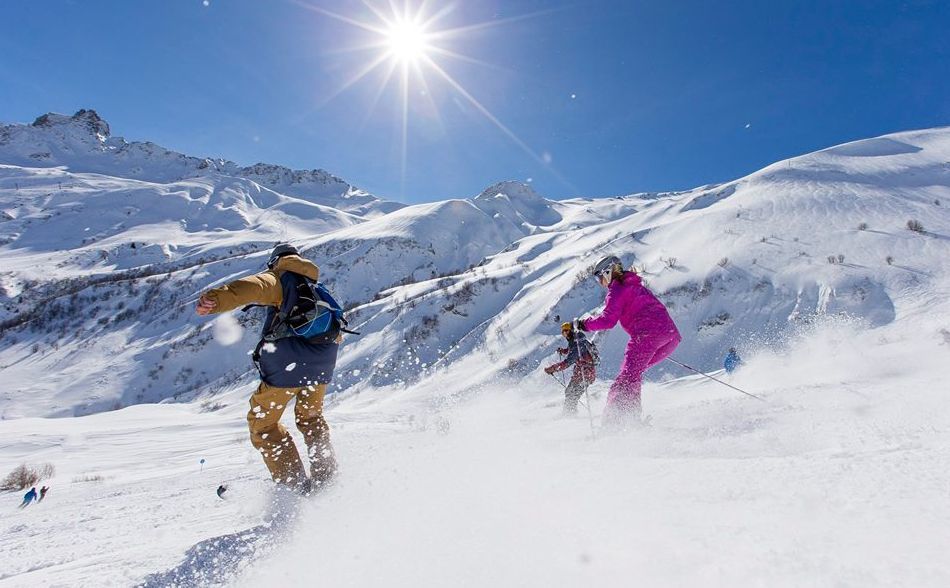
(835, 480)
(461, 280)
(456, 469)
(740, 264)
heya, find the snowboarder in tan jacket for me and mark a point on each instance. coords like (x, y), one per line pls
(291, 368)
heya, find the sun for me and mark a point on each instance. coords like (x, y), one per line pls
(407, 41)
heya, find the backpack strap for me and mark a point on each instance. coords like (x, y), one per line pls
(289, 282)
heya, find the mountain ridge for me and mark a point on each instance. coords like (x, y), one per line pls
(56, 139)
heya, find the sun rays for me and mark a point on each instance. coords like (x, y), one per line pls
(407, 45)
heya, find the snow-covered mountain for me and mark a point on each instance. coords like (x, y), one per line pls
(83, 143)
(745, 264)
(830, 272)
(102, 270)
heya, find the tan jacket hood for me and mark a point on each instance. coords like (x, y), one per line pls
(298, 265)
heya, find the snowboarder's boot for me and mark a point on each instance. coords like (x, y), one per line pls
(323, 470)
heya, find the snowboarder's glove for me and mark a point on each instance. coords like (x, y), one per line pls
(550, 369)
(580, 324)
(205, 306)
(562, 351)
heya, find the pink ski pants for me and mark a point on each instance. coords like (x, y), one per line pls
(643, 352)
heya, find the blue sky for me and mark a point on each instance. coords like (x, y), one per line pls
(604, 97)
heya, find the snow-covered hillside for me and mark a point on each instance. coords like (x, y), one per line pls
(101, 270)
(744, 263)
(83, 143)
(830, 272)
(836, 480)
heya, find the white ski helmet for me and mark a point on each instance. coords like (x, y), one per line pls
(606, 266)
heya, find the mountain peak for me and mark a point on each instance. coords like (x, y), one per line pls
(518, 202)
(86, 119)
(510, 188)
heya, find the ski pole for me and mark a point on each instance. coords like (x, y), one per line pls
(590, 415)
(585, 403)
(577, 346)
(692, 369)
(563, 385)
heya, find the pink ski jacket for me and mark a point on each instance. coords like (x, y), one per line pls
(637, 309)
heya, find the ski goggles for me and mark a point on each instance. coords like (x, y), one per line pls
(604, 273)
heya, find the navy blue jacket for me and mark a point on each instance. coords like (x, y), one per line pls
(291, 362)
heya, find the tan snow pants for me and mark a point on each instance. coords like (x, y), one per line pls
(276, 445)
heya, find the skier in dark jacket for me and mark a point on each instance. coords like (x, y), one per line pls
(43, 492)
(580, 354)
(291, 368)
(28, 497)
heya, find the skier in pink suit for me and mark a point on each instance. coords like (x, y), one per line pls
(653, 335)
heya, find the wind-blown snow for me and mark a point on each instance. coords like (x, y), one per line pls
(227, 331)
(834, 480)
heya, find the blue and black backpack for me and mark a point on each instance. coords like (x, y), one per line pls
(307, 310)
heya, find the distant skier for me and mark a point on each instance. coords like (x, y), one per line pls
(291, 367)
(653, 336)
(28, 497)
(43, 492)
(733, 361)
(221, 490)
(581, 354)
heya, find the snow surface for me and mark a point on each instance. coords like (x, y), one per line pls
(837, 479)
(456, 469)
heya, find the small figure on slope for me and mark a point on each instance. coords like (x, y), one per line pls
(221, 490)
(291, 366)
(43, 492)
(653, 336)
(28, 497)
(733, 361)
(582, 354)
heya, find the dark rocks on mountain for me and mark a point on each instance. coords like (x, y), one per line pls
(45, 120)
(280, 175)
(87, 118)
